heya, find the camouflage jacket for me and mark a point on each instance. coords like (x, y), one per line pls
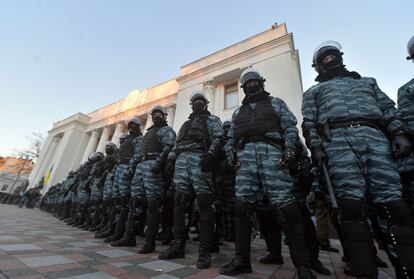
(346, 99)
(215, 130)
(406, 104)
(287, 124)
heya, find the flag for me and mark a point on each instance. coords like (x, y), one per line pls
(48, 175)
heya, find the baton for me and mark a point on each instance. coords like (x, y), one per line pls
(329, 186)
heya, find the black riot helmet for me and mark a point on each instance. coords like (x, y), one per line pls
(123, 138)
(410, 49)
(158, 114)
(198, 102)
(134, 126)
(95, 157)
(248, 75)
(323, 50)
(110, 148)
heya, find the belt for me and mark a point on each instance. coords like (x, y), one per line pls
(274, 142)
(148, 157)
(124, 161)
(354, 124)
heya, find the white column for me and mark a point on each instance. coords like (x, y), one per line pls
(170, 115)
(209, 88)
(40, 161)
(45, 162)
(148, 123)
(119, 130)
(104, 139)
(91, 147)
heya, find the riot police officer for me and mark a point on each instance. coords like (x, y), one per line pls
(198, 143)
(347, 124)
(264, 132)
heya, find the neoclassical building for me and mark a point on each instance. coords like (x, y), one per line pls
(272, 52)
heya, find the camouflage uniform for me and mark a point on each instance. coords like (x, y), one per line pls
(349, 117)
(199, 138)
(356, 154)
(107, 189)
(188, 177)
(406, 109)
(145, 182)
(262, 132)
(149, 183)
(130, 156)
(266, 171)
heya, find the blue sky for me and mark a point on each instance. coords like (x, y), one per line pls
(61, 57)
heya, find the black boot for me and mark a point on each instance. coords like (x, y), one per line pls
(206, 225)
(97, 216)
(176, 250)
(241, 262)
(167, 221)
(357, 239)
(153, 220)
(129, 237)
(119, 227)
(109, 228)
(312, 241)
(272, 231)
(272, 258)
(129, 227)
(120, 224)
(295, 232)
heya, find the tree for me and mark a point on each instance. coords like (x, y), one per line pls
(33, 152)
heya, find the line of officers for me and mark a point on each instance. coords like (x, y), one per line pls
(223, 173)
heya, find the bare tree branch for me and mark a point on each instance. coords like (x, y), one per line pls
(33, 152)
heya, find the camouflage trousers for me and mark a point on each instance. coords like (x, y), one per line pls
(68, 197)
(361, 166)
(83, 196)
(224, 190)
(145, 183)
(73, 196)
(406, 169)
(121, 186)
(107, 189)
(260, 170)
(189, 178)
(96, 192)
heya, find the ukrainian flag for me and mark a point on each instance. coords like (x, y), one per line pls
(48, 175)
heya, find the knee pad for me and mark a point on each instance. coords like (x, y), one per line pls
(205, 201)
(290, 214)
(135, 203)
(124, 201)
(352, 210)
(154, 205)
(397, 211)
(358, 243)
(242, 209)
(181, 199)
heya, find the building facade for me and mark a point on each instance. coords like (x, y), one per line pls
(272, 53)
(14, 173)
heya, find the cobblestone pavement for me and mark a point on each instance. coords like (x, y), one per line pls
(35, 245)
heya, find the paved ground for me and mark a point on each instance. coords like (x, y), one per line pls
(35, 245)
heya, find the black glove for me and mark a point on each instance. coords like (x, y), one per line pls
(318, 156)
(129, 173)
(401, 146)
(157, 168)
(289, 160)
(207, 162)
(319, 195)
(169, 168)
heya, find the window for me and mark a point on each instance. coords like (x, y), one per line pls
(4, 188)
(231, 96)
